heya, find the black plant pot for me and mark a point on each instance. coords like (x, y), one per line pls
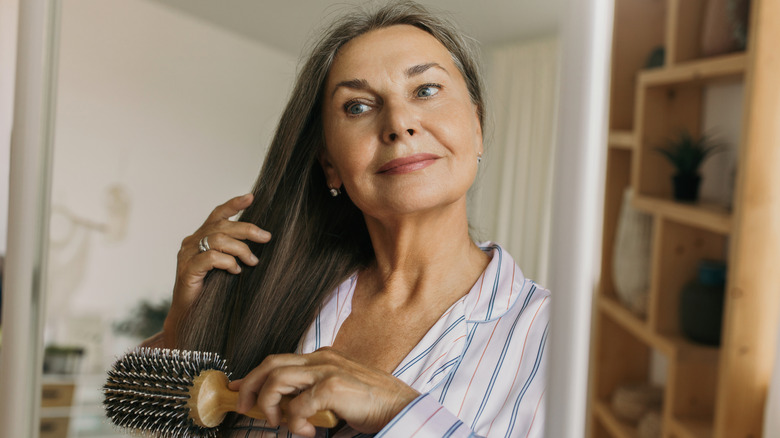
(686, 187)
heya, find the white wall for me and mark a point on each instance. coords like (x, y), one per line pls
(723, 108)
(174, 110)
(9, 11)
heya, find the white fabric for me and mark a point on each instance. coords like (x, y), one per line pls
(481, 369)
(512, 203)
(772, 407)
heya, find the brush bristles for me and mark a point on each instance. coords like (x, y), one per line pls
(148, 389)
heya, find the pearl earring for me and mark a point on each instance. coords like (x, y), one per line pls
(334, 192)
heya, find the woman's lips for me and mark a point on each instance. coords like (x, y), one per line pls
(408, 164)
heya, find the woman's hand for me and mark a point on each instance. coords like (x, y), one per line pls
(367, 399)
(225, 240)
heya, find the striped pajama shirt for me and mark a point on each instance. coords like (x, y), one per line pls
(480, 370)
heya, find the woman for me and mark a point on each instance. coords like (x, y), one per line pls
(369, 298)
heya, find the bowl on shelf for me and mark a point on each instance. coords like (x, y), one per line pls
(632, 401)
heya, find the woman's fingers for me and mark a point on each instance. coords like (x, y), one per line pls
(226, 244)
(280, 382)
(306, 404)
(221, 235)
(301, 426)
(324, 380)
(252, 384)
(238, 231)
(230, 208)
(202, 263)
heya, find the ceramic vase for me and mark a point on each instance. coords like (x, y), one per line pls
(631, 256)
(701, 304)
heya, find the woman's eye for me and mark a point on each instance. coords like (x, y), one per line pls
(356, 108)
(427, 90)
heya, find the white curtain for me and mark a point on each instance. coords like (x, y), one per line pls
(771, 419)
(512, 201)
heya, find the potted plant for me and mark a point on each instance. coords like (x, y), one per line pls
(687, 153)
(145, 319)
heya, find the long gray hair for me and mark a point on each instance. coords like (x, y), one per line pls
(318, 241)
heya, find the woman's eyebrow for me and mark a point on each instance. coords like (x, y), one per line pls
(355, 84)
(422, 68)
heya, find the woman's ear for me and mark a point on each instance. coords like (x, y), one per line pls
(331, 175)
(481, 140)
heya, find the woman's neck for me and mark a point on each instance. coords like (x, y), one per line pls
(423, 257)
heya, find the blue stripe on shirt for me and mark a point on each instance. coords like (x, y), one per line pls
(469, 338)
(538, 361)
(496, 370)
(317, 337)
(400, 415)
(528, 297)
(428, 350)
(494, 293)
(452, 429)
(443, 368)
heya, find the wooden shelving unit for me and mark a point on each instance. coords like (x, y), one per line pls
(622, 140)
(710, 392)
(616, 427)
(710, 217)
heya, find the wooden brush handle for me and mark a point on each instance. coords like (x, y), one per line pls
(211, 400)
(320, 419)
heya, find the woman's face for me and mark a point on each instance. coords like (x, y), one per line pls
(401, 132)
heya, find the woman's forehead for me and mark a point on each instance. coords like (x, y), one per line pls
(392, 49)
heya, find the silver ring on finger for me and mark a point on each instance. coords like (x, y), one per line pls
(203, 244)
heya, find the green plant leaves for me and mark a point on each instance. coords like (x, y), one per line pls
(687, 153)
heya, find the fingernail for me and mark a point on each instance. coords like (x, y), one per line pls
(253, 258)
(238, 269)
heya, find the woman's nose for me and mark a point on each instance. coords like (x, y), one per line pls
(400, 122)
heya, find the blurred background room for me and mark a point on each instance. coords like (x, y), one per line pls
(155, 111)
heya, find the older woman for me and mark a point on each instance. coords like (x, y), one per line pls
(369, 298)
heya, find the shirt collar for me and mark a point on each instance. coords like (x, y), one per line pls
(430, 361)
(497, 288)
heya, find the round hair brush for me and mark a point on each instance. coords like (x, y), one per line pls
(177, 394)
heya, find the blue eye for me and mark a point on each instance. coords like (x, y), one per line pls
(356, 108)
(427, 90)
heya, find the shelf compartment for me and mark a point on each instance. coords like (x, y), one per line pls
(711, 217)
(692, 428)
(663, 113)
(723, 67)
(672, 346)
(616, 427)
(683, 29)
(621, 139)
(619, 354)
(693, 383)
(634, 325)
(678, 249)
(638, 29)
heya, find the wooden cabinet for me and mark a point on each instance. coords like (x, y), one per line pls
(56, 400)
(709, 391)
